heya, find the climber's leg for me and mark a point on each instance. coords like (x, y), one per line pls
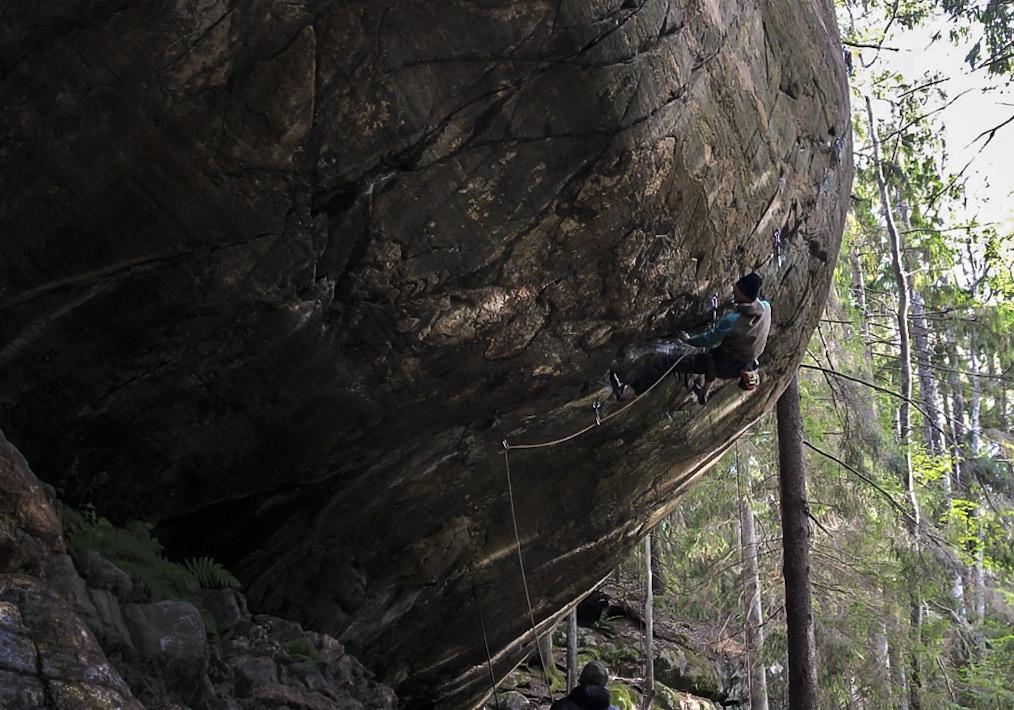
(717, 368)
(698, 363)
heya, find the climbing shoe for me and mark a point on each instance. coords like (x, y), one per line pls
(614, 382)
(620, 391)
(702, 394)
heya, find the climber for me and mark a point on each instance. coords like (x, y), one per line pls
(590, 693)
(733, 346)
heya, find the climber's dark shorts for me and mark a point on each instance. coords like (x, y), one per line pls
(709, 364)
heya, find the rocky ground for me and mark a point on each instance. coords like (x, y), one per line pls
(77, 632)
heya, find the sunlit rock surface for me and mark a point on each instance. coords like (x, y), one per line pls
(283, 276)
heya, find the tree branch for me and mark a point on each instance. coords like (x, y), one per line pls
(864, 45)
(871, 385)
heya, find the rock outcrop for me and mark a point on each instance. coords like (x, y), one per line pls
(282, 277)
(80, 633)
(48, 656)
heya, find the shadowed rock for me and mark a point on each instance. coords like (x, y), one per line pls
(271, 271)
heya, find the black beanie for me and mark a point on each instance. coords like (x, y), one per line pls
(750, 285)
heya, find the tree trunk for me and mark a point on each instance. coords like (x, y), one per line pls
(914, 674)
(796, 552)
(649, 630)
(883, 656)
(975, 411)
(980, 576)
(904, 410)
(751, 591)
(859, 289)
(957, 409)
(953, 406)
(572, 648)
(657, 581)
(897, 662)
(929, 393)
(545, 643)
(950, 476)
(905, 356)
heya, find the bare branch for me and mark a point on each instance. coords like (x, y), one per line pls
(864, 45)
(992, 132)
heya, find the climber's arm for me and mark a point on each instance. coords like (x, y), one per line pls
(714, 336)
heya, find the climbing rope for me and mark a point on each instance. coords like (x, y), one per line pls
(524, 579)
(485, 643)
(599, 420)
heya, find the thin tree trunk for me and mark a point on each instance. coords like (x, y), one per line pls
(657, 581)
(883, 655)
(980, 576)
(905, 356)
(859, 289)
(897, 663)
(914, 675)
(572, 648)
(949, 476)
(796, 555)
(751, 590)
(958, 411)
(1004, 419)
(904, 412)
(929, 393)
(952, 480)
(546, 652)
(975, 411)
(649, 630)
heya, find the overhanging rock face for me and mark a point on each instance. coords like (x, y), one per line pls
(283, 276)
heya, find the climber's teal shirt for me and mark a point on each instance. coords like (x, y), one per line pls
(741, 335)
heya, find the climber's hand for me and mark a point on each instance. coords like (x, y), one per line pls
(683, 336)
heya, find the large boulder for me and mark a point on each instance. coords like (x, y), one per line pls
(169, 637)
(283, 277)
(48, 657)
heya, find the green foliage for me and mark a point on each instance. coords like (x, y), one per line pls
(301, 649)
(604, 624)
(136, 551)
(211, 574)
(133, 549)
(624, 696)
(986, 679)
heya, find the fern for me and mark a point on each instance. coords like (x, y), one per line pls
(211, 574)
(136, 551)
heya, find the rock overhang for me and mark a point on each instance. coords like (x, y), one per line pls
(277, 290)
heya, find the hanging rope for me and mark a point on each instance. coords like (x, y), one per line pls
(521, 565)
(485, 643)
(599, 420)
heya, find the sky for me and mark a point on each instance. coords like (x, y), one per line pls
(990, 189)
